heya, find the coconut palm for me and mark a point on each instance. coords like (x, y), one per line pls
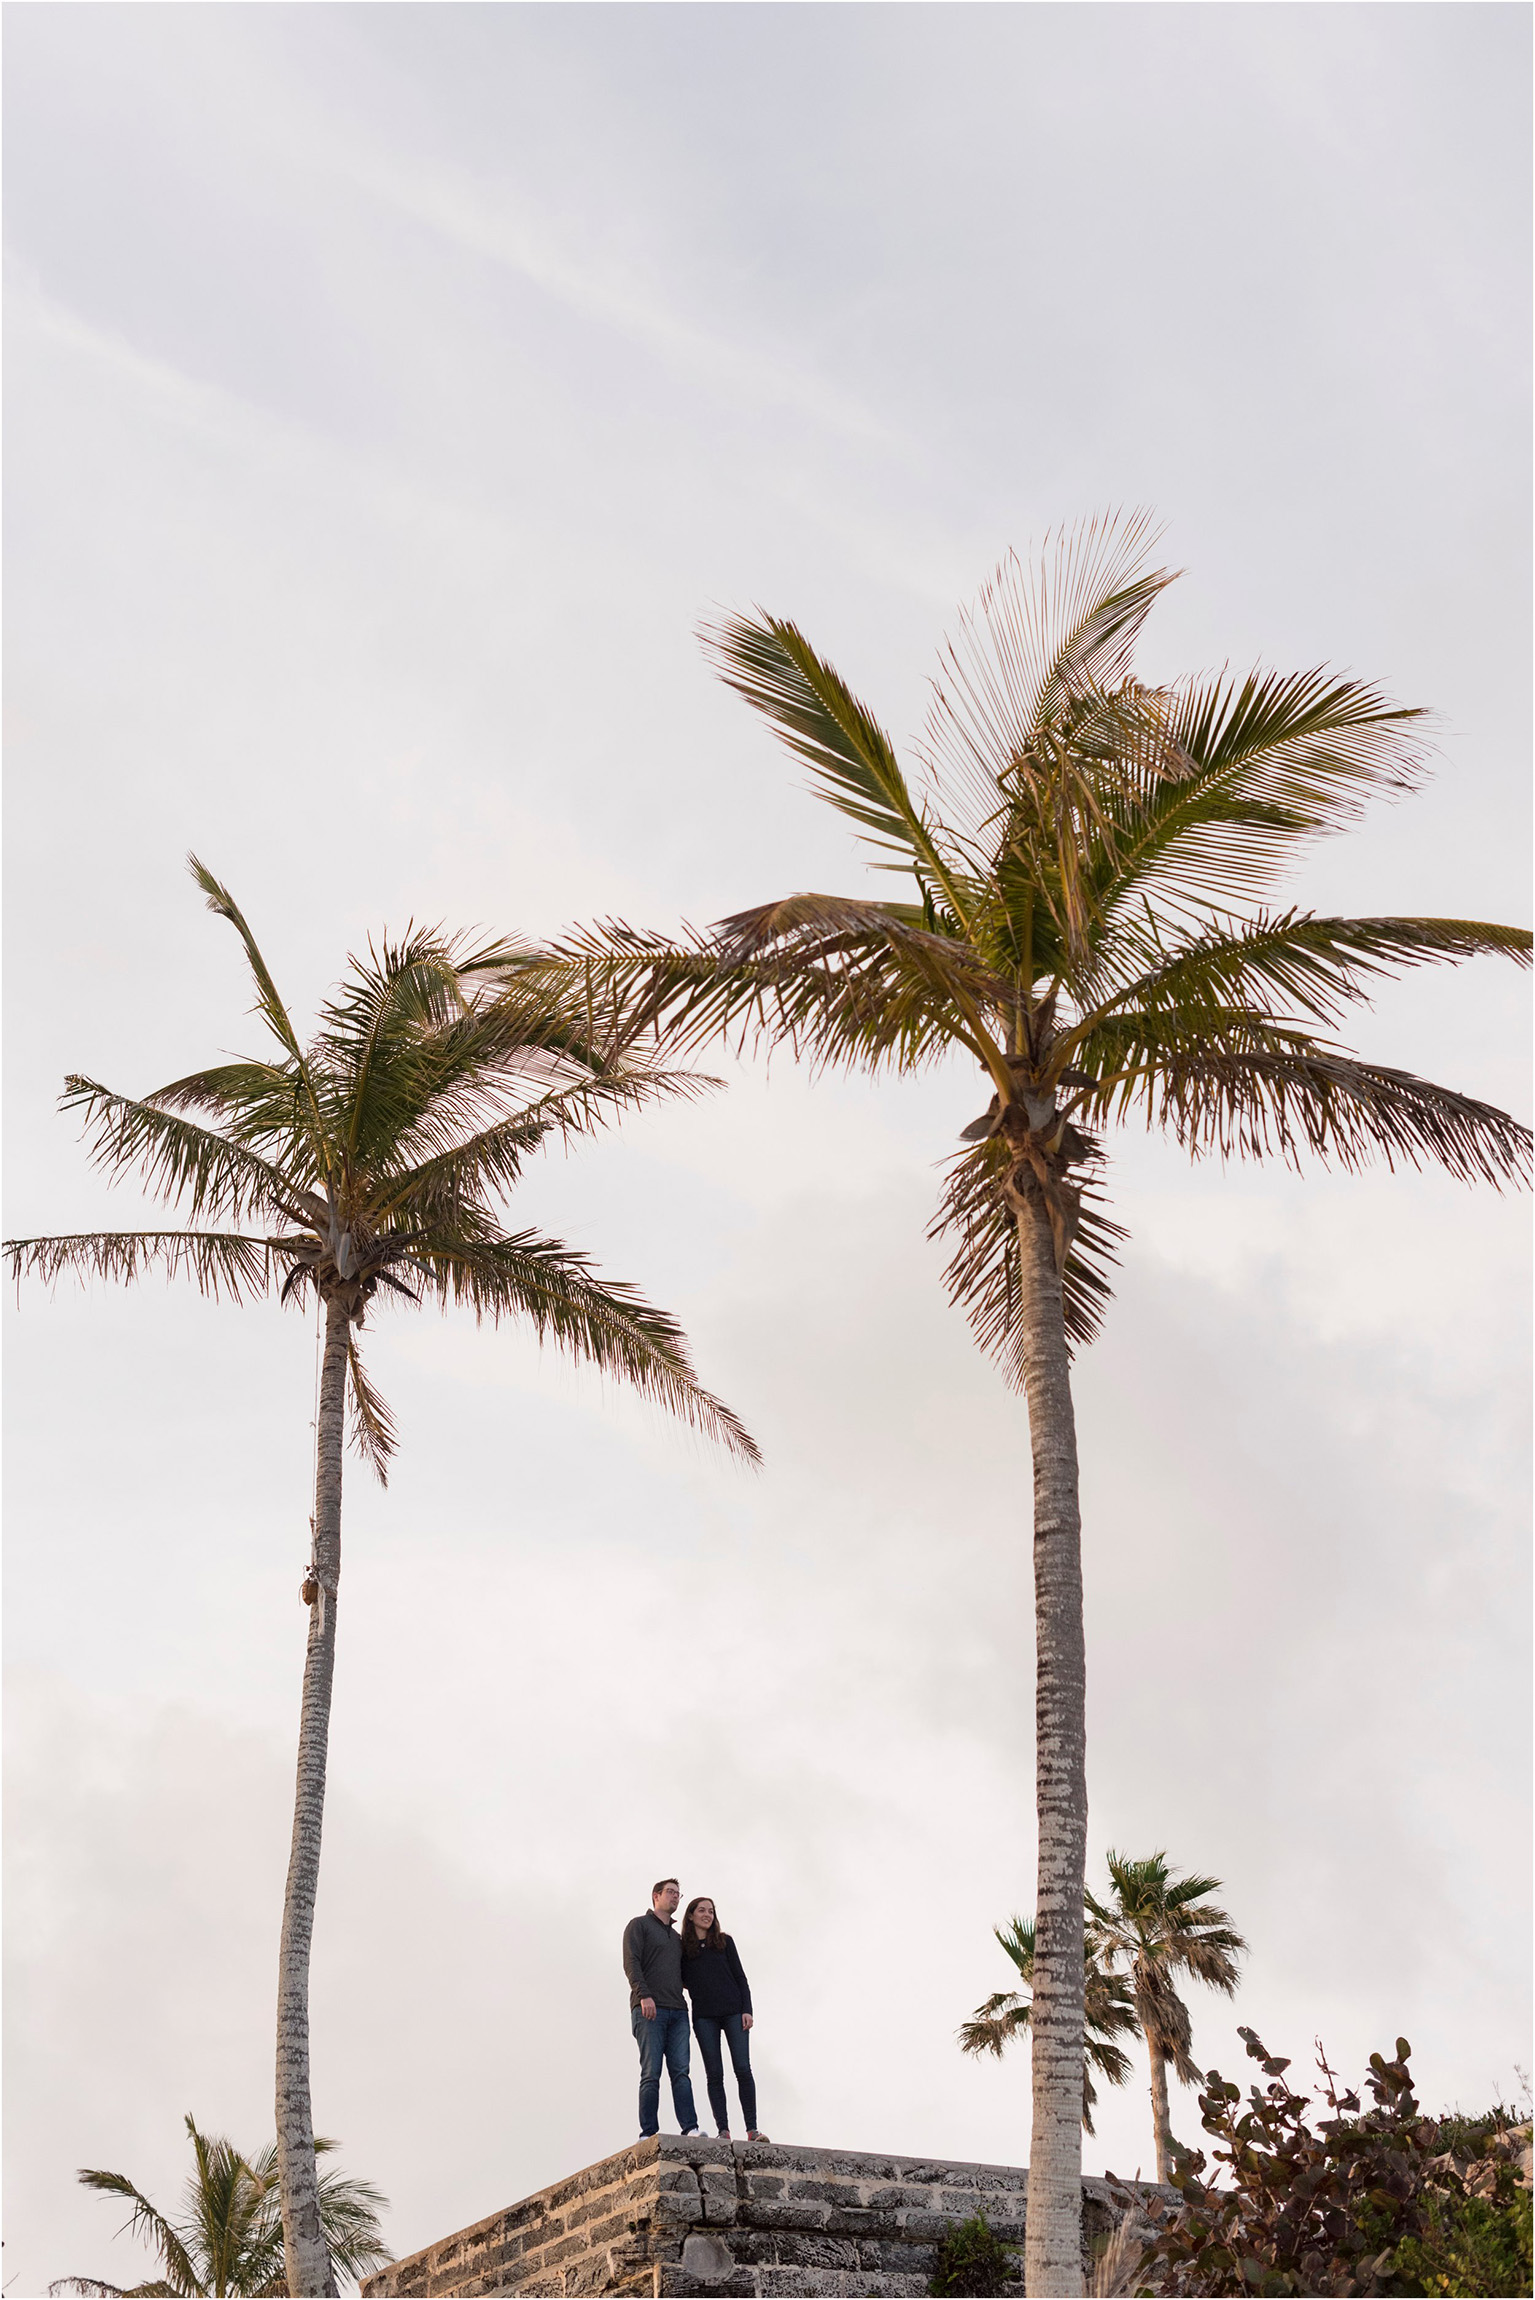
(381, 1150)
(1154, 1926)
(1086, 864)
(1107, 2012)
(229, 2236)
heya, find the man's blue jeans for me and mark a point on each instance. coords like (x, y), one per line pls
(664, 2038)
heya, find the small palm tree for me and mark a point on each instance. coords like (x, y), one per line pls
(1156, 1926)
(229, 2237)
(1108, 2012)
(1085, 863)
(381, 1151)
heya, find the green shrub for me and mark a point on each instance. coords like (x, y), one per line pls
(1481, 2246)
(1385, 2202)
(973, 2259)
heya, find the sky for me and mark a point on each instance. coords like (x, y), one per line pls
(391, 391)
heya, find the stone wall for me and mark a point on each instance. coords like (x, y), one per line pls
(674, 2216)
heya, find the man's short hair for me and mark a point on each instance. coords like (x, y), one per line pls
(660, 1885)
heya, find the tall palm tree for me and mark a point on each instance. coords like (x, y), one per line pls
(229, 2237)
(1108, 2011)
(1085, 862)
(381, 1149)
(1156, 1926)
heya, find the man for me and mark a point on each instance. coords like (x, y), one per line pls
(658, 2013)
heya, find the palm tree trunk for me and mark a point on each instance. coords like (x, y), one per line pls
(306, 2254)
(1161, 2123)
(1053, 2249)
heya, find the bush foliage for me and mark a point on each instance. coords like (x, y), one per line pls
(973, 2259)
(1386, 2201)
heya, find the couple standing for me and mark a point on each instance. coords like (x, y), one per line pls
(660, 1963)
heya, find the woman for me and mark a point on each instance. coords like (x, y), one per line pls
(722, 2006)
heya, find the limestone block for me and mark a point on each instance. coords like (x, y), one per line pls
(708, 2259)
(909, 2196)
(844, 2192)
(765, 2212)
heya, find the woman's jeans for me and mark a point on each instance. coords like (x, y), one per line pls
(664, 2038)
(708, 2033)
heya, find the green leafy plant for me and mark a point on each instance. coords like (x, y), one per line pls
(228, 2239)
(1360, 2203)
(972, 2258)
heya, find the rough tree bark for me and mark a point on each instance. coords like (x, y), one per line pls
(305, 2251)
(1161, 2122)
(1053, 2246)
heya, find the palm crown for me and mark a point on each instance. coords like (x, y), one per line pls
(1157, 1927)
(1089, 861)
(380, 1151)
(229, 2236)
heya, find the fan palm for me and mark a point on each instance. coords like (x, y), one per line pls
(1087, 861)
(1155, 1926)
(381, 1149)
(1107, 2012)
(229, 2236)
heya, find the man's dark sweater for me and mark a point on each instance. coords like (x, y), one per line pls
(653, 1961)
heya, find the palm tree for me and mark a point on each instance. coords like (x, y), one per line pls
(1085, 861)
(381, 1149)
(229, 2238)
(1156, 1926)
(1107, 2012)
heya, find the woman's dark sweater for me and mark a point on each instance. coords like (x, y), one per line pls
(715, 1982)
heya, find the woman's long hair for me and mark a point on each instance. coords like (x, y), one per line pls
(692, 1946)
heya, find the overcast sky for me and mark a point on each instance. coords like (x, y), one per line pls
(390, 391)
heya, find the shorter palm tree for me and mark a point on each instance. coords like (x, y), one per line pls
(229, 2237)
(1154, 1926)
(1109, 2012)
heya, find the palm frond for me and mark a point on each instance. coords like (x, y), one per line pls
(349, 2215)
(349, 2210)
(845, 981)
(1235, 1085)
(256, 1101)
(175, 1159)
(1276, 759)
(1041, 636)
(1044, 639)
(92, 2284)
(1317, 966)
(773, 667)
(982, 1277)
(466, 1168)
(149, 2226)
(1108, 2011)
(240, 1267)
(400, 999)
(601, 1322)
(373, 1425)
(269, 1004)
(994, 2024)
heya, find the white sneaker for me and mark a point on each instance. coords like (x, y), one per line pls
(694, 2132)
